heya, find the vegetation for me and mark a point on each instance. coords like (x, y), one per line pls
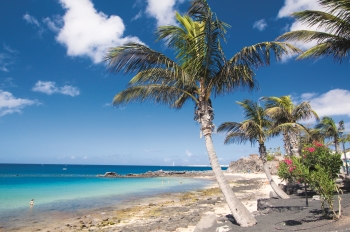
(318, 167)
(334, 41)
(327, 129)
(201, 71)
(285, 116)
(255, 129)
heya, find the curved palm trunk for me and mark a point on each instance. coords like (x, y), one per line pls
(240, 213)
(278, 191)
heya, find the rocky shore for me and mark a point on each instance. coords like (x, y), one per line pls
(159, 173)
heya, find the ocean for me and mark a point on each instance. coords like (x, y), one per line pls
(66, 188)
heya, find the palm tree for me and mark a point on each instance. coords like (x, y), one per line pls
(200, 72)
(335, 41)
(329, 130)
(255, 129)
(285, 116)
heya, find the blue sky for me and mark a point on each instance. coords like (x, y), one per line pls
(55, 92)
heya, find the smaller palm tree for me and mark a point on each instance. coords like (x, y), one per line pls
(329, 130)
(285, 116)
(254, 129)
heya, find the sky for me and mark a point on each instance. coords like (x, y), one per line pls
(55, 92)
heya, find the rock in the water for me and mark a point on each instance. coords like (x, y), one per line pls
(207, 223)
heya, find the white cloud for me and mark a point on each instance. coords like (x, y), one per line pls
(137, 16)
(10, 104)
(7, 57)
(163, 11)
(32, 20)
(72, 157)
(188, 153)
(260, 24)
(87, 32)
(292, 6)
(334, 102)
(49, 87)
(53, 25)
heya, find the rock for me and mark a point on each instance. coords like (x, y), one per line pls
(110, 174)
(250, 164)
(151, 204)
(207, 223)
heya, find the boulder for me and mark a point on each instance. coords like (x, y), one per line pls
(250, 164)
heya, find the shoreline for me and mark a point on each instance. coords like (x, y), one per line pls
(141, 211)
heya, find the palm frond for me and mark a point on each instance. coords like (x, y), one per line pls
(259, 55)
(339, 50)
(154, 92)
(134, 58)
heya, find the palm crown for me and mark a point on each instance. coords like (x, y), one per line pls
(254, 128)
(335, 41)
(285, 116)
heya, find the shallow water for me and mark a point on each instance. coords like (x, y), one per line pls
(59, 191)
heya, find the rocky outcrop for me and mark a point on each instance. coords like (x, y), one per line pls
(159, 173)
(251, 164)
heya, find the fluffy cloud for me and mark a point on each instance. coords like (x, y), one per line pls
(334, 102)
(87, 32)
(260, 24)
(49, 87)
(10, 104)
(162, 11)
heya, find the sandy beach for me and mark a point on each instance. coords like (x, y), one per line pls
(178, 212)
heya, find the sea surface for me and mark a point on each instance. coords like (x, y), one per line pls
(75, 187)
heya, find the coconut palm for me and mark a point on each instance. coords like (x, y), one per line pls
(201, 71)
(285, 116)
(255, 129)
(335, 22)
(329, 130)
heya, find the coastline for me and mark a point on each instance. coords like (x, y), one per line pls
(139, 212)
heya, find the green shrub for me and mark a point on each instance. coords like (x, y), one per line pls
(318, 167)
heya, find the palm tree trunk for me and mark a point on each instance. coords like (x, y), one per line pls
(286, 144)
(294, 143)
(240, 213)
(278, 191)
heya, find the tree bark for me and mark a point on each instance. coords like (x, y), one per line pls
(240, 213)
(205, 115)
(294, 143)
(276, 189)
(286, 144)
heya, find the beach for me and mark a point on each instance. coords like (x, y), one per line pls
(181, 212)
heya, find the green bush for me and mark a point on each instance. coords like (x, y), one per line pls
(318, 167)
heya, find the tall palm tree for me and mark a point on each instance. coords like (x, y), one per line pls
(329, 130)
(335, 21)
(255, 129)
(201, 71)
(285, 116)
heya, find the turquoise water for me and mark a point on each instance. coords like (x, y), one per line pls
(74, 187)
